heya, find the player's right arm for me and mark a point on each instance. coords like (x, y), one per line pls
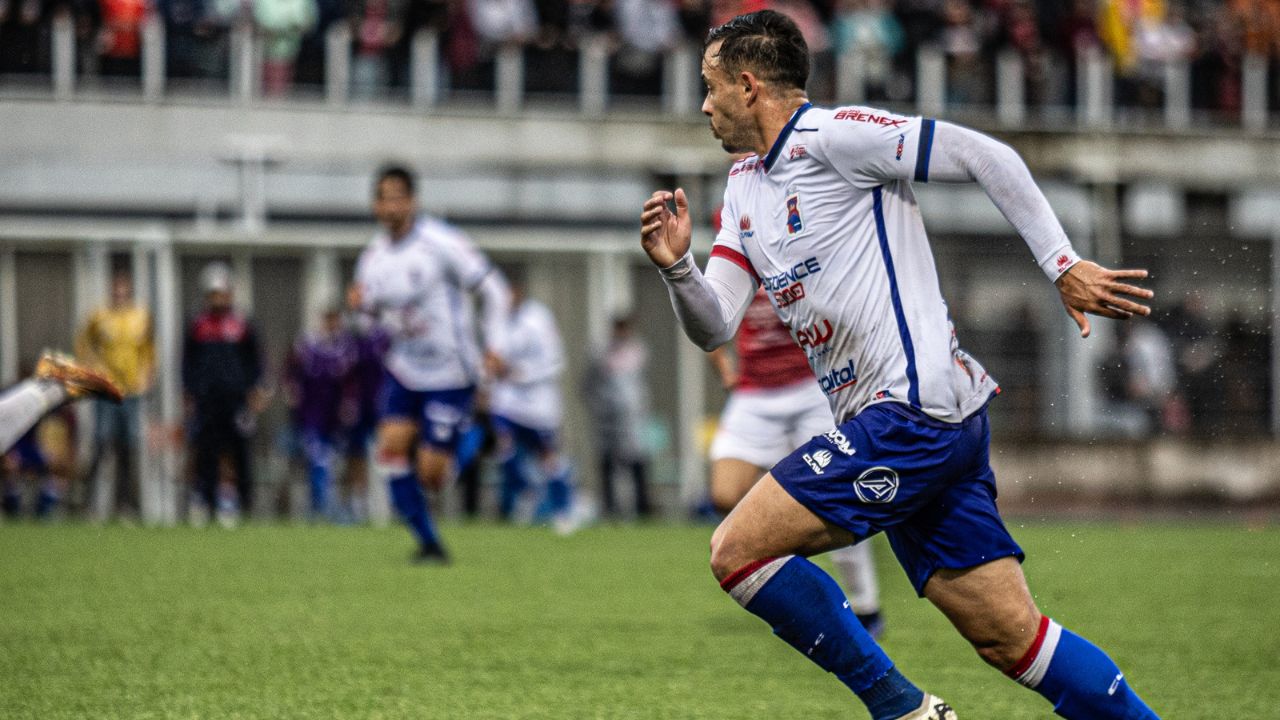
(709, 307)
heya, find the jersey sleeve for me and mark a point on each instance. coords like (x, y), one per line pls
(464, 262)
(728, 242)
(363, 278)
(869, 147)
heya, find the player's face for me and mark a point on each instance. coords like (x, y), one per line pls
(394, 205)
(725, 104)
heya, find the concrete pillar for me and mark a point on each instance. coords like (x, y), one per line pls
(246, 64)
(242, 280)
(424, 88)
(509, 82)
(8, 317)
(1177, 94)
(1253, 88)
(691, 380)
(64, 56)
(931, 81)
(169, 330)
(680, 80)
(337, 64)
(1011, 96)
(1095, 80)
(593, 75)
(321, 285)
(153, 59)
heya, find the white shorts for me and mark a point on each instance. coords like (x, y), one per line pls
(762, 426)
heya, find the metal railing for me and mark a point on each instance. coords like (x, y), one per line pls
(1094, 100)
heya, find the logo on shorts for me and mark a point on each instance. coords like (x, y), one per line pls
(841, 442)
(877, 485)
(818, 460)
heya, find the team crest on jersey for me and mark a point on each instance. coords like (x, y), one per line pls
(744, 227)
(877, 485)
(797, 152)
(818, 461)
(795, 223)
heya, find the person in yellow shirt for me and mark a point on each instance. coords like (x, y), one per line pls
(118, 339)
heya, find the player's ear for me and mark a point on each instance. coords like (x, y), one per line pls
(749, 85)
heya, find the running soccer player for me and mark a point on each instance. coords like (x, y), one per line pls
(57, 379)
(526, 409)
(823, 217)
(773, 407)
(415, 276)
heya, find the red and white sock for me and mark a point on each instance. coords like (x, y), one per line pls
(747, 580)
(1030, 670)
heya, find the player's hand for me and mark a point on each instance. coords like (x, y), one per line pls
(494, 365)
(1090, 288)
(664, 235)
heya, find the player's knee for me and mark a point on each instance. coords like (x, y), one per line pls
(432, 469)
(727, 554)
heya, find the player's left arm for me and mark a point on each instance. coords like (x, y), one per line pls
(870, 148)
(475, 274)
(964, 155)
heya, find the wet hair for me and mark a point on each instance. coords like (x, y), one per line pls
(397, 172)
(766, 43)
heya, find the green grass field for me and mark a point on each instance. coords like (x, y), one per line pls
(615, 622)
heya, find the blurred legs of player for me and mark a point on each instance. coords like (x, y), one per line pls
(56, 379)
(434, 420)
(758, 428)
(320, 453)
(517, 445)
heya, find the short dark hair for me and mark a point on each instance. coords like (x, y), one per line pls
(397, 172)
(767, 43)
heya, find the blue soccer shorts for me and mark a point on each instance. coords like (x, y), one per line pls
(512, 435)
(926, 484)
(443, 415)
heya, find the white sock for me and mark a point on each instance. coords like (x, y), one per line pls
(22, 406)
(857, 571)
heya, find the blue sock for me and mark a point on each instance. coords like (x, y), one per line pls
(1081, 681)
(46, 502)
(558, 494)
(319, 479)
(808, 610)
(411, 503)
(514, 483)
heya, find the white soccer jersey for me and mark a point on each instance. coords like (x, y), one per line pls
(828, 224)
(419, 287)
(530, 392)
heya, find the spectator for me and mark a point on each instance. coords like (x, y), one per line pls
(282, 23)
(319, 384)
(20, 33)
(364, 383)
(378, 25)
(616, 391)
(195, 39)
(874, 36)
(120, 38)
(221, 371)
(118, 339)
(648, 29)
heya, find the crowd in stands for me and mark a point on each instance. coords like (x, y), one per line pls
(1140, 36)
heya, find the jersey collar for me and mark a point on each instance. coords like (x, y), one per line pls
(776, 150)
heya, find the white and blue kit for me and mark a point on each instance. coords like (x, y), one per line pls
(828, 225)
(419, 288)
(528, 396)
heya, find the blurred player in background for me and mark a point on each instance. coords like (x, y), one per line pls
(55, 380)
(526, 410)
(222, 375)
(365, 386)
(616, 391)
(118, 339)
(26, 457)
(415, 277)
(319, 386)
(775, 406)
(824, 218)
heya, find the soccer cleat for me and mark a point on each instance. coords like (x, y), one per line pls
(933, 708)
(78, 379)
(433, 555)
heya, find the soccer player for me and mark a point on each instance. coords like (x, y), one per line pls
(526, 408)
(414, 277)
(774, 406)
(56, 380)
(319, 388)
(824, 218)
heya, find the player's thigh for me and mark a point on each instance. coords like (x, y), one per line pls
(396, 437)
(990, 606)
(768, 522)
(754, 428)
(731, 479)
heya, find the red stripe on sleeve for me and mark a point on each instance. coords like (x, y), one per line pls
(735, 257)
(743, 573)
(1025, 663)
